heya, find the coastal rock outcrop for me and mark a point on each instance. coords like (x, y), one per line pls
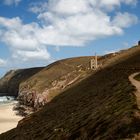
(35, 99)
(42, 87)
(102, 106)
(35, 87)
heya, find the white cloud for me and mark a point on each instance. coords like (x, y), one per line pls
(124, 20)
(111, 51)
(63, 23)
(74, 6)
(126, 44)
(69, 7)
(76, 30)
(3, 62)
(75, 22)
(111, 4)
(133, 2)
(38, 7)
(38, 54)
(22, 40)
(10, 2)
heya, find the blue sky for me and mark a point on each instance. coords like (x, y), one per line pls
(36, 33)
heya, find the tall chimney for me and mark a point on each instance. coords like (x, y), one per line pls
(96, 61)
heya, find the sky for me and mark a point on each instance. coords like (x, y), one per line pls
(36, 33)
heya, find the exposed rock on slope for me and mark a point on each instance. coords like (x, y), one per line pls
(37, 86)
(44, 85)
(52, 80)
(101, 107)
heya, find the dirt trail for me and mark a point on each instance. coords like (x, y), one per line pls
(137, 85)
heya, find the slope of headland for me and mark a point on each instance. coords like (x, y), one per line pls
(102, 106)
(35, 87)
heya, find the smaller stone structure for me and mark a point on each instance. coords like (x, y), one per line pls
(139, 43)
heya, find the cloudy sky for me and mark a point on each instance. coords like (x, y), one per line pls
(38, 32)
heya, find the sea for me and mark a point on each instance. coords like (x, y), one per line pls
(7, 99)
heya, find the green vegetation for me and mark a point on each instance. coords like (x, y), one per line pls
(137, 77)
(101, 107)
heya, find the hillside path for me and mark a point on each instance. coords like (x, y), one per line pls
(137, 85)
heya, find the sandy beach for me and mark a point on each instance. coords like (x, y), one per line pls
(8, 118)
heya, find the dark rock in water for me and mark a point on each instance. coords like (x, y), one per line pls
(7, 98)
(4, 99)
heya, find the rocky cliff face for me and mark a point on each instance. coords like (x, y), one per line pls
(36, 99)
(42, 87)
(35, 87)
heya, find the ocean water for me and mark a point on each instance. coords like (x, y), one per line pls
(6, 99)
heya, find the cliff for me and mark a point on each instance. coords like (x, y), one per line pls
(101, 106)
(35, 87)
(9, 84)
(50, 81)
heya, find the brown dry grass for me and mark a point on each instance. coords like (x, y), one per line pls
(101, 107)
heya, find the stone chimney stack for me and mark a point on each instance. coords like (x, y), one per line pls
(96, 61)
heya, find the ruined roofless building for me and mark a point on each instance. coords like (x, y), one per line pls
(94, 63)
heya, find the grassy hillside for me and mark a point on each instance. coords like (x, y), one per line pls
(101, 107)
(37, 86)
(39, 78)
(9, 84)
(43, 86)
(56, 71)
